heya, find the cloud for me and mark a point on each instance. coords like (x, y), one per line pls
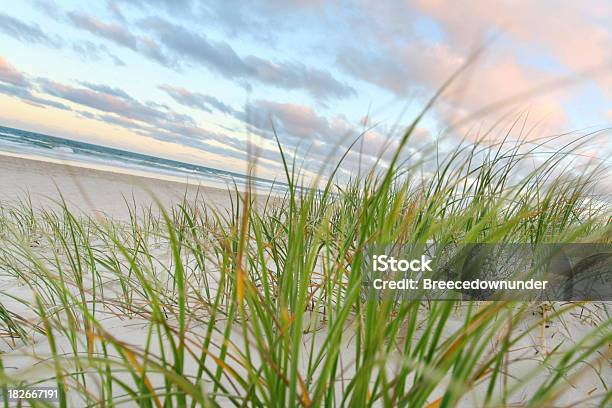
(112, 105)
(120, 35)
(574, 32)
(15, 84)
(26, 96)
(48, 7)
(298, 121)
(237, 17)
(27, 33)
(535, 48)
(97, 100)
(32, 33)
(317, 139)
(295, 75)
(171, 6)
(576, 35)
(221, 58)
(263, 21)
(108, 90)
(90, 51)
(176, 45)
(116, 101)
(495, 80)
(218, 56)
(260, 20)
(300, 125)
(115, 10)
(151, 119)
(147, 119)
(197, 100)
(10, 75)
(377, 68)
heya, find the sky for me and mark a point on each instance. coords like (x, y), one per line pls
(206, 82)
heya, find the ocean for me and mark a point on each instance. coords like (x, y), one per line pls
(41, 146)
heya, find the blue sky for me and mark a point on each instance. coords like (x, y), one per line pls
(195, 81)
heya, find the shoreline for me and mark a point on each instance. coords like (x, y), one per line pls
(130, 171)
(91, 190)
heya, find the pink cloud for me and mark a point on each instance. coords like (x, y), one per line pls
(494, 81)
(298, 120)
(571, 32)
(570, 37)
(10, 75)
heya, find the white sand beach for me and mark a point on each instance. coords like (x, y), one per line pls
(94, 191)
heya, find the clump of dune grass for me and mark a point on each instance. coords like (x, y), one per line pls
(261, 304)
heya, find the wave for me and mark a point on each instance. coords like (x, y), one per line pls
(63, 149)
(41, 145)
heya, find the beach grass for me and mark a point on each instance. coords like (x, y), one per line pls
(261, 303)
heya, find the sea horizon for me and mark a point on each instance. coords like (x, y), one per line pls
(32, 145)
